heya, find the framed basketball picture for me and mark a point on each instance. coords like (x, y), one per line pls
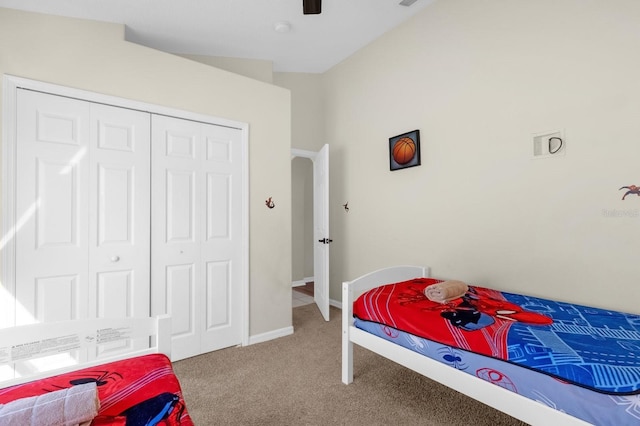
(404, 150)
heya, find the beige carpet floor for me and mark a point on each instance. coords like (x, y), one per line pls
(295, 380)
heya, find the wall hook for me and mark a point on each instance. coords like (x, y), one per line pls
(270, 203)
(346, 207)
(558, 148)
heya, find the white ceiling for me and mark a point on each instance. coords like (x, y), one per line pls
(243, 28)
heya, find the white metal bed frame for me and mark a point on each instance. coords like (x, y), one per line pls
(520, 407)
(29, 342)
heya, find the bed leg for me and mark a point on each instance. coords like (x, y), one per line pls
(347, 362)
(347, 346)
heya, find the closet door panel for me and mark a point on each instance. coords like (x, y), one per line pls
(56, 298)
(51, 195)
(218, 294)
(82, 209)
(116, 299)
(119, 212)
(218, 203)
(176, 228)
(56, 195)
(221, 245)
(180, 206)
(115, 204)
(115, 294)
(197, 187)
(180, 297)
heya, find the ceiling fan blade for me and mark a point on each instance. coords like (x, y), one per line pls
(311, 7)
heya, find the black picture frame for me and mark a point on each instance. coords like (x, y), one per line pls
(400, 150)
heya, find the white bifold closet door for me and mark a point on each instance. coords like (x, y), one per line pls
(82, 208)
(125, 213)
(197, 234)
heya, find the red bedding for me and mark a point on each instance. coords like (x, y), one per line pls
(137, 391)
(586, 346)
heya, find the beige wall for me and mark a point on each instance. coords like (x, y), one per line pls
(478, 79)
(253, 68)
(301, 218)
(307, 133)
(307, 109)
(93, 56)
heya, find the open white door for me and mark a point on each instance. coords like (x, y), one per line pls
(321, 230)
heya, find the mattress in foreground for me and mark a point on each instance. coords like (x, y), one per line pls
(137, 391)
(581, 360)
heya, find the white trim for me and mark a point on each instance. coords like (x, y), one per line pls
(303, 153)
(24, 83)
(7, 244)
(271, 335)
(335, 303)
(302, 282)
(10, 85)
(245, 232)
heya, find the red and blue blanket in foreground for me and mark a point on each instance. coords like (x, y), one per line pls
(593, 348)
(141, 391)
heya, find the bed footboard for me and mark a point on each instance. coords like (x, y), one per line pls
(40, 350)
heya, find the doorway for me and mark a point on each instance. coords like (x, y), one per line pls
(320, 238)
(302, 231)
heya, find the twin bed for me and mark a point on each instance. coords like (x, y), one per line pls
(540, 361)
(98, 372)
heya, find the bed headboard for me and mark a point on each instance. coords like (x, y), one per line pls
(352, 289)
(384, 276)
(39, 350)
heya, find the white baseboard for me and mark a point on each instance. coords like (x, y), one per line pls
(264, 337)
(335, 303)
(302, 282)
(275, 334)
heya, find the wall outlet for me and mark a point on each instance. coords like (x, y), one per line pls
(549, 144)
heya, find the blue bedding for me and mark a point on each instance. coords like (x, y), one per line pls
(593, 348)
(594, 407)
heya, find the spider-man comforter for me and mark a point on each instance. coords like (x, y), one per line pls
(590, 347)
(137, 391)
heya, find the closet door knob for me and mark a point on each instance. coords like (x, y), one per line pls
(115, 258)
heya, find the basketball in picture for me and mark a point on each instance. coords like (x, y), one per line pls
(404, 150)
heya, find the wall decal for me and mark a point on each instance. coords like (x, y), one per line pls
(632, 189)
(404, 150)
(270, 203)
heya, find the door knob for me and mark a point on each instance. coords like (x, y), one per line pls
(115, 258)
